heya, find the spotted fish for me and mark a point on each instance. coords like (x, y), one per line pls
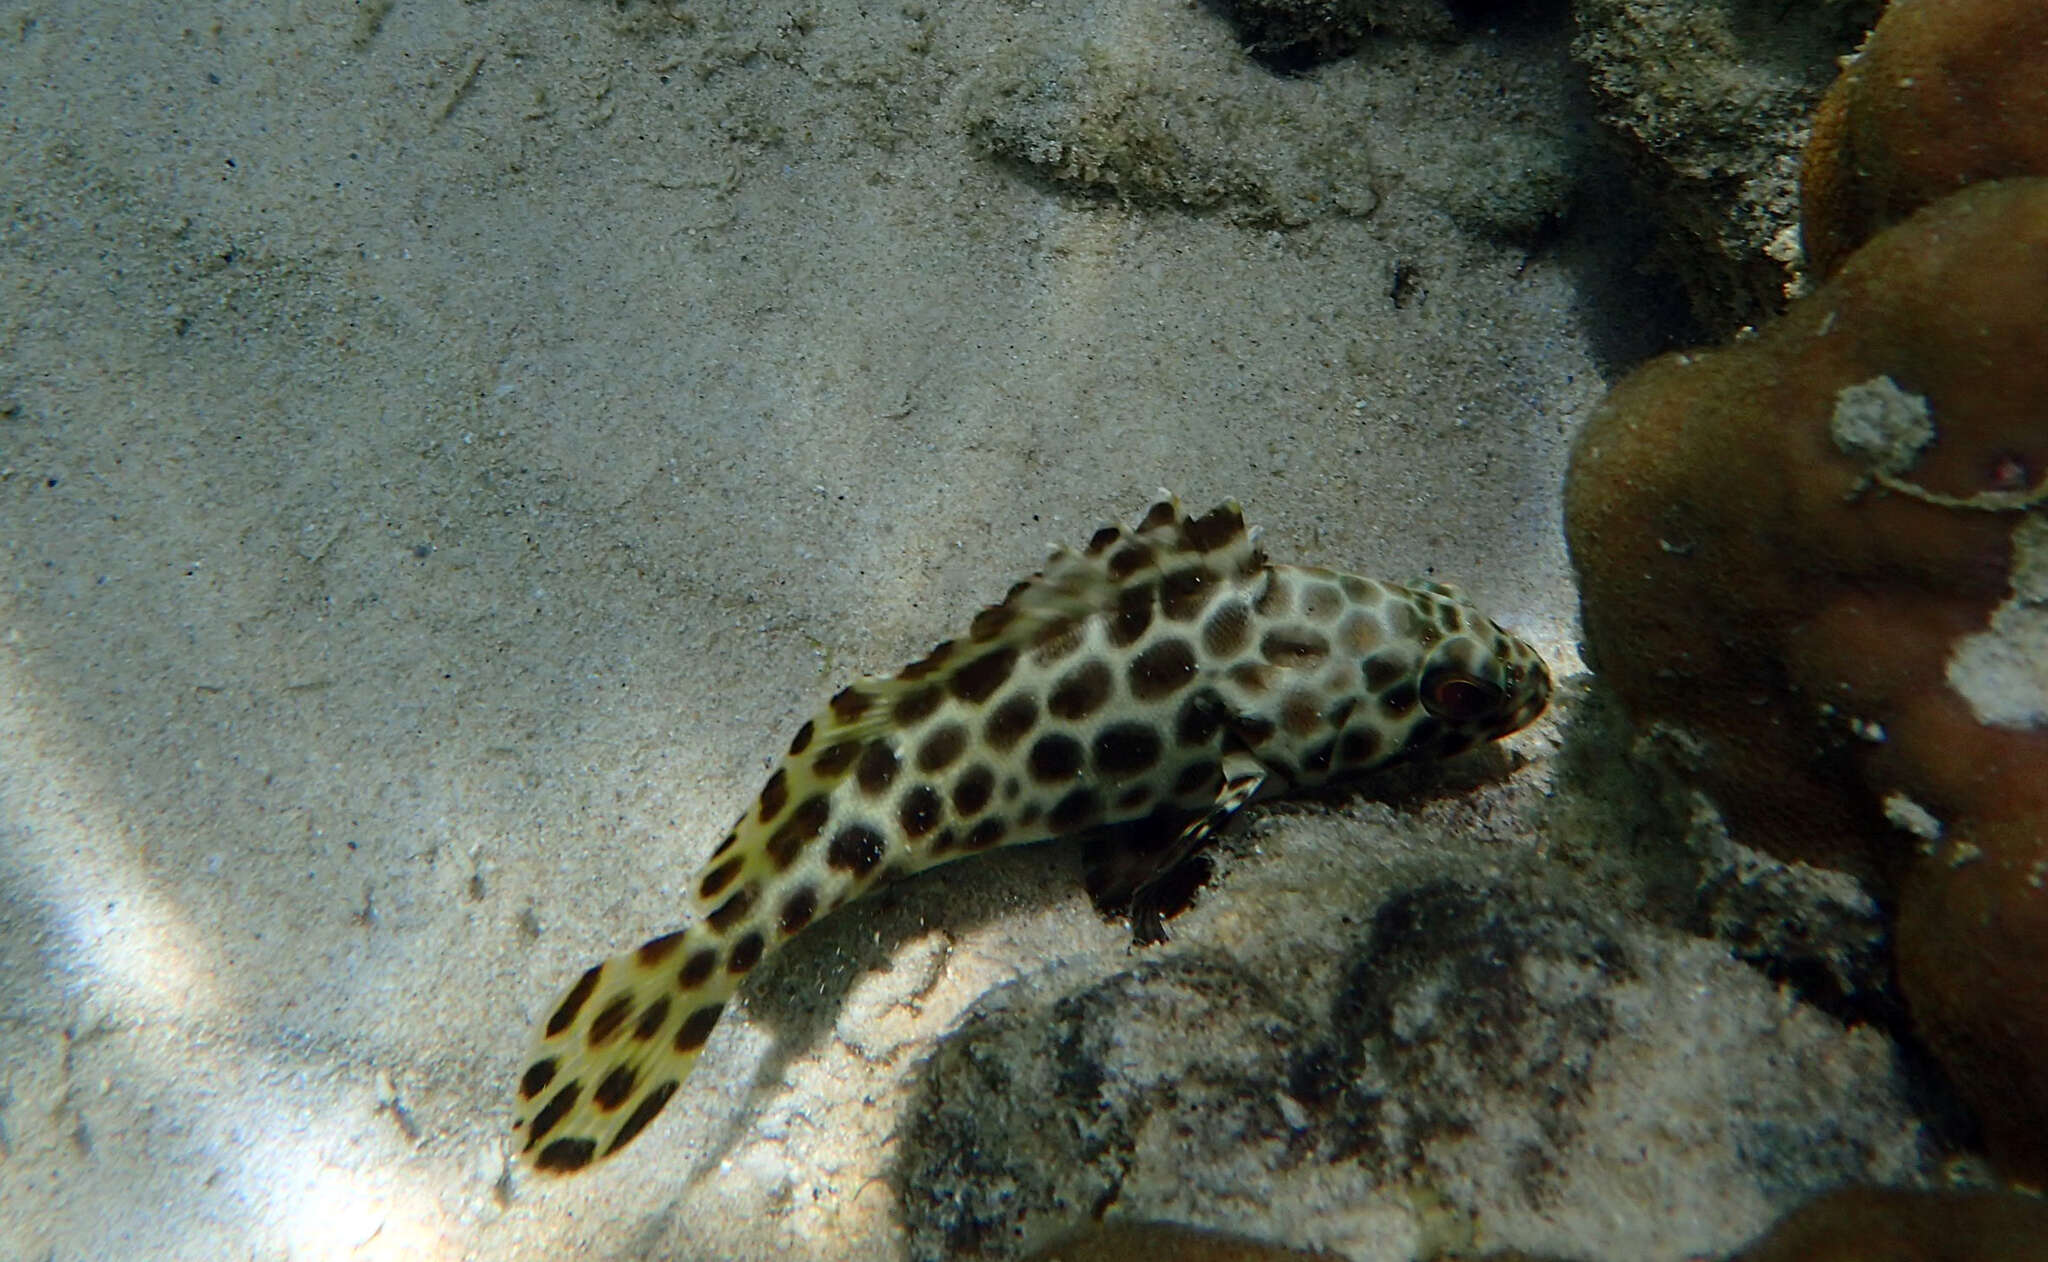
(1157, 681)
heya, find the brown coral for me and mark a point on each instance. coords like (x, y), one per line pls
(1945, 93)
(1784, 548)
(1168, 1242)
(1890, 1225)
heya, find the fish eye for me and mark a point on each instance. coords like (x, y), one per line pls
(1459, 697)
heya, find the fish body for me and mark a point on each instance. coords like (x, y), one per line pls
(1162, 678)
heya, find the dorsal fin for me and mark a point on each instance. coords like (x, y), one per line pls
(1071, 586)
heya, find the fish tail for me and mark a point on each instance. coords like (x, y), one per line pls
(617, 1047)
(620, 1043)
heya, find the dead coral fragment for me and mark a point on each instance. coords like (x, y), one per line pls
(1876, 421)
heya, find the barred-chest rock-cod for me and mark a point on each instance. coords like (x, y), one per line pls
(1160, 680)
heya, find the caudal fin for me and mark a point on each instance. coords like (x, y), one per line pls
(617, 1048)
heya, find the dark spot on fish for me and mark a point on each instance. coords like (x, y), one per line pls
(1359, 632)
(1161, 670)
(914, 707)
(557, 1108)
(697, 1027)
(941, 748)
(1082, 692)
(1227, 630)
(925, 665)
(833, 760)
(578, 995)
(642, 1114)
(1275, 598)
(1358, 745)
(789, 840)
(798, 909)
(877, 770)
(1078, 808)
(973, 791)
(802, 740)
(1128, 560)
(975, 682)
(989, 623)
(1294, 646)
(1217, 528)
(732, 910)
(857, 849)
(1383, 670)
(774, 795)
(1201, 715)
(1254, 678)
(1125, 749)
(1399, 699)
(607, 1022)
(849, 703)
(565, 1156)
(1185, 593)
(1133, 614)
(920, 811)
(1317, 760)
(1426, 736)
(1202, 777)
(697, 968)
(1055, 757)
(1301, 714)
(746, 953)
(1056, 640)
(1011, 721)
(1321, 602)
(537, 1077)
(656, 952)
(651, 1020)
(717, 880)
(615, 1088)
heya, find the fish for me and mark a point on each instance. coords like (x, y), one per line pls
(1143, 690)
